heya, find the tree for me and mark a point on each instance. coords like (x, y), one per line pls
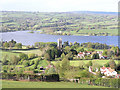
(63, 55)
(71, 43)
(65, 44)
(89, 64)
(23, 56)
(112, 64)
(67, 49)
(104, 53)
(65, 64)
(26, 63)
(110, 54)
(5, 61)
(47, 56)
(107, 64)
(80, 49)
(84, 73)
(14, 60)
(18, 45)
(31, 56)
(51, 53)
(6, 45)
(70, 56)
(95, 56)
(51, 70)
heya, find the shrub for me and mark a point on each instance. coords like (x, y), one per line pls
(23, 56)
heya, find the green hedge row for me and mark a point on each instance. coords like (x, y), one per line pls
(107, 82)
(50, 77)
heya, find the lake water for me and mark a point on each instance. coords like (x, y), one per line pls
(30, 38)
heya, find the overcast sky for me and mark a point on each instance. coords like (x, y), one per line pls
(59, 5)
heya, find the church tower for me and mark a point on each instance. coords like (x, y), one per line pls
(59, 43)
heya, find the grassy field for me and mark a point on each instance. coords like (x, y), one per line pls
(17, 52)
(21, 84)
(78, 62)
(36, 51)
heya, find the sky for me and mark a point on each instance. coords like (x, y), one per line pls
(59, 5)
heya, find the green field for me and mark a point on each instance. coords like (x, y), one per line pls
(21, 84)
(36, 51)
(78, 62)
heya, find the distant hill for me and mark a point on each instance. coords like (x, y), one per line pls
(95, 12)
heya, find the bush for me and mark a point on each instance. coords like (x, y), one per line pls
(31, 56)
(23, 56)
(26, 63)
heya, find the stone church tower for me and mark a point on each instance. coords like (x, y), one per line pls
(59, 43)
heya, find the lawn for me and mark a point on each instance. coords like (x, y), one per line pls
(78, 62)
(21, 84)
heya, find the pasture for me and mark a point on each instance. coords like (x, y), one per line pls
(79, 62)
(21, 84)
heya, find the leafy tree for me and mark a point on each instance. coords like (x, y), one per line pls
(71, 43)
(51, 71)
(5, 61)
(67, 49)
(112, 64)
(31, 56)
(80, 49)
(104, 53)
(84, 73)
(110, 54)
(23, 56)
(107, 65)
(14, 60)
(95, 56)
(18, 45)
(65, 64)
(26, 63)
(65, 44)
(89, 64)
(74, 52)
(47, 56)
(6, 44)
(32, 62)
(63, 55)
(70, 56)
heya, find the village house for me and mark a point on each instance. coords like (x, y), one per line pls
(107, 71)
(87, 53)
(81, 55)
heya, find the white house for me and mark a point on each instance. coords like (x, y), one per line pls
(108, 71)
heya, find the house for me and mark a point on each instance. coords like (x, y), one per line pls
(81, 55)
(117, 76)
(88, 52)
(108, 71)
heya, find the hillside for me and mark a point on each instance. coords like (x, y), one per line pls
(61, 23)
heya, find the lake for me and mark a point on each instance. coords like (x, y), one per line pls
(30, 38)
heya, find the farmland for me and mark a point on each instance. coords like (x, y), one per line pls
(21, 84)
(79, 62)
(69, 23)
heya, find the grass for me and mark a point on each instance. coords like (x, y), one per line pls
(78, 62)
(36, 51)
(21, 84)
(8, 54)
